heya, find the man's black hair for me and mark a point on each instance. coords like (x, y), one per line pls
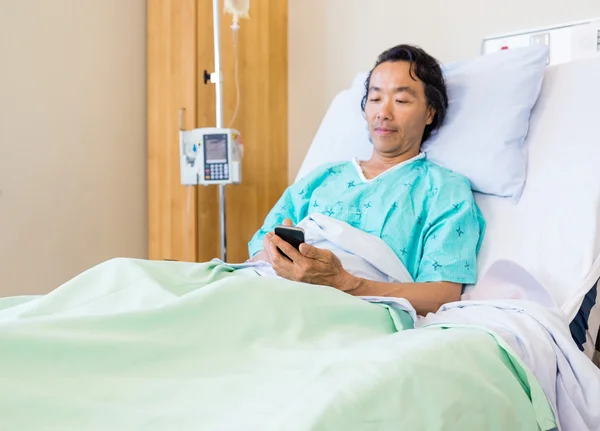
(427, 69)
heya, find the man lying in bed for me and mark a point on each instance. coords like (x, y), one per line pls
(425, 213)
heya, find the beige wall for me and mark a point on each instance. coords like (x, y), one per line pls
(72, 138)
(330, 41)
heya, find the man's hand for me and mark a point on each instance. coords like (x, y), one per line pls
(309, 265)
(318, 266)
(264, 254)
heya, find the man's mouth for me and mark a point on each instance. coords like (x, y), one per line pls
(383, 131)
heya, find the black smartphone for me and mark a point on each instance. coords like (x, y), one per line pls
(292, 235)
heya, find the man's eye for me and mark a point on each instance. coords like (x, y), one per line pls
(401, 101)
(374, 99)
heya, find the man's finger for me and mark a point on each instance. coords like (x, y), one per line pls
(287, 222)
(266, 241)
(312, 252)
(276, 257)
(270, 247)
(286, 248)
(281, 264)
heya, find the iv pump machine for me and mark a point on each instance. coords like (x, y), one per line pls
(210, 156)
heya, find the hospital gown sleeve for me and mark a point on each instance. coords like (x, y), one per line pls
(293, 204)
(452, 242)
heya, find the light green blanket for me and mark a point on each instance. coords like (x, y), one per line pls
(142, 345)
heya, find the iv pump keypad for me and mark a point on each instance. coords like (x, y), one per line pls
(216, 171)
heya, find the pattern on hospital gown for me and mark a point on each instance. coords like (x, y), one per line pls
(425, 213)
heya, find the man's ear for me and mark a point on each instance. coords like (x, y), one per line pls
(430, 114)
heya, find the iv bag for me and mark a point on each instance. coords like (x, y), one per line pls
(238, 8)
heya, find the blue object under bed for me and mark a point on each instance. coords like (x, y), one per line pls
(579, 325)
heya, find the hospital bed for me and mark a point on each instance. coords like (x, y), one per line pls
(135, 344)
(554, 229)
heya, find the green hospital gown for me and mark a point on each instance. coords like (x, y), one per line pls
(425, 213)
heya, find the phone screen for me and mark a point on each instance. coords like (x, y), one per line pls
(292, 235)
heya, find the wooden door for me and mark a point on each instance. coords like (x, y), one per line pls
(261, 119)
(172, 83)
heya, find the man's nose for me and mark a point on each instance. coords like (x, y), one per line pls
(385, 111)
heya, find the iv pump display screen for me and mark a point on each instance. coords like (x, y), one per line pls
(215, 148)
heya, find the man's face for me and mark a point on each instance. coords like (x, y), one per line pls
(396, 109)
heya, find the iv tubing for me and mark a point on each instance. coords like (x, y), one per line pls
(235, 27)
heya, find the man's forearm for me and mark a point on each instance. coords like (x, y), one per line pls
(424, 297)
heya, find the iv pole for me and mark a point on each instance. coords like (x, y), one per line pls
(217, 79)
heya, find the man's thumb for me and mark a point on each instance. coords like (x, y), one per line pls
(309, 251)
(287, 222)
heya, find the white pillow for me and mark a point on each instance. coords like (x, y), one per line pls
(482, 138)
(342, 135)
